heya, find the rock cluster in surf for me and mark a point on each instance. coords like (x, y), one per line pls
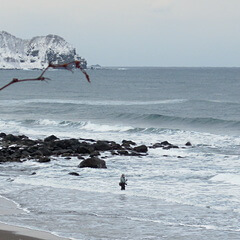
(21, 148)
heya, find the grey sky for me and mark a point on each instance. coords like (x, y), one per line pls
(134, 32)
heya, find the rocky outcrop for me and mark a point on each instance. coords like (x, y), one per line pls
(21, 148)
(164, 145)
(141, 149)
(93, 162)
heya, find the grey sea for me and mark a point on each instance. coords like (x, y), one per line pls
(190, 192)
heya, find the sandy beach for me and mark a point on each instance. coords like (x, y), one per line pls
(8, 232)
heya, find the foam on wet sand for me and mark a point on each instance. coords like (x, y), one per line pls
(19, 233)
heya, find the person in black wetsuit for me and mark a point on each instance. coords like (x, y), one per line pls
(123, 182)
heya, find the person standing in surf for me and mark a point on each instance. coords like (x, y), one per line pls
(123, 182)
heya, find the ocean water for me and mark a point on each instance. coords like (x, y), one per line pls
(186, 193)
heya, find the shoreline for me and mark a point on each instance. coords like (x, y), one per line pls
(21, 233)
(12, 232)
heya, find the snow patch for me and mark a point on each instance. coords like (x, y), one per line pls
(36, 53)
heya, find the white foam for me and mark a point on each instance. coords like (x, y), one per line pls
(227, 178)
(48, 122)
(105, 128)
(93, 103)
(10, 206)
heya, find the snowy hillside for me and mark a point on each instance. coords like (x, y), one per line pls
(16, 53)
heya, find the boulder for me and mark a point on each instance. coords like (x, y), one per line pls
(115, 146)
(94, 154)
(128, 143)
(164, 145)
(93, 162)
(156, 145)
(123, 152)
(188, 144)
(169, 147)
(74, 173)
(2, 135)
(141, 148)
(45, 151)
(28, 142)
(2, 159)
(83, 150)
(50, 138)
(44, 159)
(102, 146)
(11, 138)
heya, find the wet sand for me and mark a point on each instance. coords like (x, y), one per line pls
(8, 232)
(10, 235)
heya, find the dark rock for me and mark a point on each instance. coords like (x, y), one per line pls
(45, 151)
(114, 153)
(102, 146)
(16, 154)
(44, 159)
(11, 138)
(74, 142)
(123, 152)
(133, 153)
(23, 137)
(13, 159)
(128, 143)
(2, 135)
(165, 143)
(141, 148)
(115, 146)
(32, 149)
(36, 153)
(87, 139)
(83, 150)
(169, 147)
(62, 152)
(25, 154)
(2, 159)
(156, 145)
(93, 162)
(74, 173)
(28, 142)
(94, 154)
(64, 144)
(50, 138)
(188, 144)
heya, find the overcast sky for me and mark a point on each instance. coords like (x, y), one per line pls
(134, 32)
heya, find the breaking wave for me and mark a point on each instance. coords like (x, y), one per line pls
(127, 122)
(90, 102)
(175, 120)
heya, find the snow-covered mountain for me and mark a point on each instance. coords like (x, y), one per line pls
(36, 53)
